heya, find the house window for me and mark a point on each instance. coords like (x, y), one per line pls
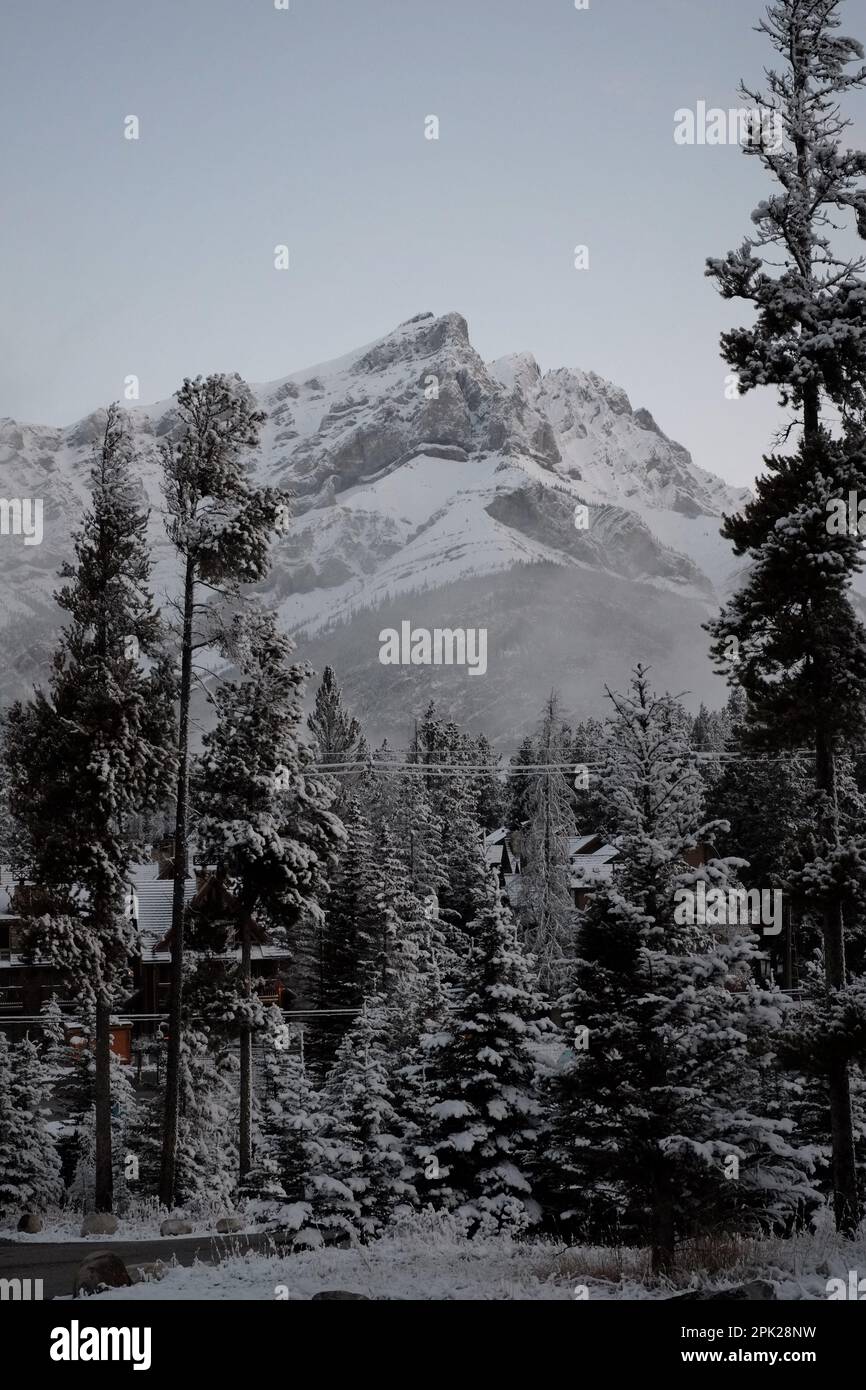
(5, 940)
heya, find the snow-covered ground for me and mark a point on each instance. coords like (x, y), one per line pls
(142, 1222)
(440, 1265)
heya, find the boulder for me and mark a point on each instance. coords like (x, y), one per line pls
(755, 1291)
(228, 1225)
(30, 1222)
(99, 1223)
(342, 1294)
(175, 1227)
(101, 1270)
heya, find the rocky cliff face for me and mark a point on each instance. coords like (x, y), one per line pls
(435, 488)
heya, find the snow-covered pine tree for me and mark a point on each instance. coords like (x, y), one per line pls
(364, 916)
(447, 755)
(54, 1050)
(331, 1208)
(790, 637)
(452, 793)
(92, 752)
(82, 1186)
(74, 1095)
(207, 1158)
(588, 804)
(418, 954)
(485, 1118)
(221, 527)
(709, 730)
(379, 970)
(308, 1152)
(13, 847)
(346, 939)
(467, 873)
(144, 1141)
(339, 737)
(401, 805)
(519, 782)
(29, 1164)
(419, 1010)
(546, 903)
(665, 1088)
(767, 801)
(263, 811)
(360, 1099)
(489, 786)
(289, 1106)
(124, 1127)
(207, 1145)
(768, 805)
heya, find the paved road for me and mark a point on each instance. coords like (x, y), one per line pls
(55, 1263)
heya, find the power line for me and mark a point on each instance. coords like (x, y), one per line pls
(348, 768)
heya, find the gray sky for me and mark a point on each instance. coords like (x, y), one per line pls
(306, 127)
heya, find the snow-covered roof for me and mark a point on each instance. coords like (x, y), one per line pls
(150, 905)
(149, 901)
(578, 843)
(7, 884)
(586, 870)
(496, 837)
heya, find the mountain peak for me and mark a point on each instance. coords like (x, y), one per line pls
(427, 482)
(419, 337)
(518, 369)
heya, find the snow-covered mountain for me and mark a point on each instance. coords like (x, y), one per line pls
(436, 488)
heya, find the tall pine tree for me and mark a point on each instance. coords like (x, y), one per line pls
(485, 1117)
(264, 817)
(790, 637)
(91, 753)
(29, 1165)
(221, 526)
(546, 902)
(664, 1089)
(339, 739)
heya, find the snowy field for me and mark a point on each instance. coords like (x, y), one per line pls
(438, 1266)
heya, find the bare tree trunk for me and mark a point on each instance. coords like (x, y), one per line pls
(245, 1137)
(103, 1178)
(662, 1237)
(172, 1076)
(846, 1201)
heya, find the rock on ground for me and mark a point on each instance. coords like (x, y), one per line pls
(175, 1227)
(99, 1223)
(101, 1270)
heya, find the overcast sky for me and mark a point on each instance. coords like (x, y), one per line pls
(306, 127)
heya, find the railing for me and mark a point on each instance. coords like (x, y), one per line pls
(271, 995)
